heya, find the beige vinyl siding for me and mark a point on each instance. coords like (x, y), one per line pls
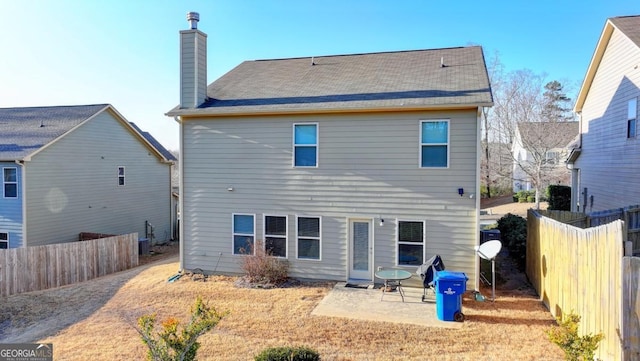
(72, 185)
(193, 68)
(606, 150)
(368, 167)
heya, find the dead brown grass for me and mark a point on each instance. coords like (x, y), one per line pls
(94, 321)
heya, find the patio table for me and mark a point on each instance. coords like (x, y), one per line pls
(393, 277)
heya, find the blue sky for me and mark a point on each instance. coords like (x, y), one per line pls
(125, 52)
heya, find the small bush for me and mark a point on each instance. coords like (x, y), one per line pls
(559, 197)
(172, 344)
(261, 267)
(526, 196)
(513, 232)
(288, 354)
(576, 348)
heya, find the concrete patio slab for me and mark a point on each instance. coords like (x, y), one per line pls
(365, 304)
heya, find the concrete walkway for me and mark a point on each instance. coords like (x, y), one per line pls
(365, 304)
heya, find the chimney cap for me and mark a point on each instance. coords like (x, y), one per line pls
(193, 18)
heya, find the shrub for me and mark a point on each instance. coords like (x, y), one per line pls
(513, 232)
(172, 343)
(559, 197)
(263, 268)
(288, 354)
(496, 191)
(525, 196)
(576, 348)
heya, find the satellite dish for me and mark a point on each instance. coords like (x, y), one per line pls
(489, 250)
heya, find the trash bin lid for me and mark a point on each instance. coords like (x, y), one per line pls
(451, 276)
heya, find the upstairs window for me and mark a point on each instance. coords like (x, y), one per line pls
(552, 157)
(243, 234)
(434, 144)
(308, 237)
(305, 145)
(120, 176)
(410, 243)
(632, 112)
(10, 182)
(275, 235)
(4, 240)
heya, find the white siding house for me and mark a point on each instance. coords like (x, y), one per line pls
(606, 164)
(339, 164)
(542, 146)
(82, 169)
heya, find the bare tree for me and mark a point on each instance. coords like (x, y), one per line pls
(491, 169)
(533, 120)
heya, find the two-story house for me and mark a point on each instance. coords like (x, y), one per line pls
(72, 169)
(606, 163)
(338, 164)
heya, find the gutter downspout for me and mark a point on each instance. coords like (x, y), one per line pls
(478, 195)
(178, 119)
(22, 189)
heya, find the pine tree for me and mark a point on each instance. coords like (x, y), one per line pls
(556, 106)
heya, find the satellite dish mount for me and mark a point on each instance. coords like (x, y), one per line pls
(489, 250)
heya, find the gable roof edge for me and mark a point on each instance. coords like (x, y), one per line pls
(29, 156)
(593, 65)
(140, 136)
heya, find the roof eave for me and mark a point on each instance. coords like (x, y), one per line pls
(593, 65)
(213, 112)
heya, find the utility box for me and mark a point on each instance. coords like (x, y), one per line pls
(143, 246)
(449, 287)
(489, 235)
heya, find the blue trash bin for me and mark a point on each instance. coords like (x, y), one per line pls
(449, 289)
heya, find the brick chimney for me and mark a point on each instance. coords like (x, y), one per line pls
(193, 64)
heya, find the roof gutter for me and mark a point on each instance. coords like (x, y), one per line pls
(211, 112)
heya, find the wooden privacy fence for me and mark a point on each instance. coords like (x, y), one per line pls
(630, 215)
(36, 268)
(584, 271)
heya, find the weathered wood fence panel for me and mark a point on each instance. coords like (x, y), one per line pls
(41, 267)
(631, 307)
(580, 270)
(630, 215)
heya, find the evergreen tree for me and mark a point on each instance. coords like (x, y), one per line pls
(556, 107)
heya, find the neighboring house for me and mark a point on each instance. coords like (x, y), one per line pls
(606, 164)
(73, 169)
(541, 146)
(339, 164)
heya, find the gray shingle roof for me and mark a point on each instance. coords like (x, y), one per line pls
(392, 80)
(630, 26)
(558, 134)
(25, 130)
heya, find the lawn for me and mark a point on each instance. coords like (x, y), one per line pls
(95, 321)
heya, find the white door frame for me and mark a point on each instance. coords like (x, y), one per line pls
(363, 275)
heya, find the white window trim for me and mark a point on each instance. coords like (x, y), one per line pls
(398, 243)
(286, 232)
(293, 144)
(233, 234)
(4, 183)
(448, 143)
(319, 239)
(124, 176)
(7, 241)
